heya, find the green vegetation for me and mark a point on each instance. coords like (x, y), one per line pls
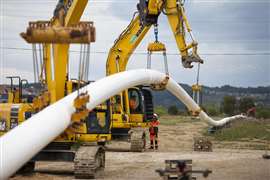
(247, 130)
(160, 110)
(171, 120)
(263, 113)
(229, 105)
(245, 104)
(173, 110)
(211, 109)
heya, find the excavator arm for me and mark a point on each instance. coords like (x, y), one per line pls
(179, 25)
(148, 13)
(125, 45)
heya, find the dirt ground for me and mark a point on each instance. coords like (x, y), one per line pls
(233, 160)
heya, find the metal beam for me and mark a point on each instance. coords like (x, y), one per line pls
(61, 50)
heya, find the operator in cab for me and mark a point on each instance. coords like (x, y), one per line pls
(153, 131)
(133, 105)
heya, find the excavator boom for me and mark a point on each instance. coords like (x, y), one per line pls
(148, 13)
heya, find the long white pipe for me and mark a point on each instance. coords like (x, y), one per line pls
(19, 145)
(183, 96)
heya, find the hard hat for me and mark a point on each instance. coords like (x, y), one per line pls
(155, 116)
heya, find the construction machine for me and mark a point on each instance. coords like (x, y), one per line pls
(82, 142)
(125, 121)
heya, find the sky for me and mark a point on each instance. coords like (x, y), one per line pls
(233, 37)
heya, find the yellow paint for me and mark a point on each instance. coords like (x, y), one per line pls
(153, 7)
(60, 68)
(61, 50)
(156, 46)
(69, 87)
(125, 46)
(128, 41)
(176, 24)
(5, 110)
(136, 118)
(14, 96)
(93, 137)
(5, 114)
(75, 12)
(48, 66)
(196, 87)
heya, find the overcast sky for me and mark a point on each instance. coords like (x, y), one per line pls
(233, 36)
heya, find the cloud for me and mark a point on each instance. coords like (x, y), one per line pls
(224, 26)
(15, 72)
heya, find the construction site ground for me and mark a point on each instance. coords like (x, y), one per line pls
(233, 160)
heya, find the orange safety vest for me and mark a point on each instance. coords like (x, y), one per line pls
(154, 123)
(154, 127)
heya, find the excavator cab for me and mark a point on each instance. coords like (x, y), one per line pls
(140, 104)
(15, 93)
(132, 108)
(18, 107)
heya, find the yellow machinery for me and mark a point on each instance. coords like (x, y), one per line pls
(83, 141)
(127, 121)
(125, 114)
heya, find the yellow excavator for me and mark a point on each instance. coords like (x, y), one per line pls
(126, 120)
(82, 142)
(127, 113)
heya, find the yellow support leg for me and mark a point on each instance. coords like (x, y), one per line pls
(60, 68)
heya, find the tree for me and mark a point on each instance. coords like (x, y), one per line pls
(211, 109)
(229, 105)
(245, 104)
(172, 110)
(263, 112)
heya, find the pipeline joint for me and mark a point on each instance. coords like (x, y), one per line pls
(196, 112)
(162, 85)
(81, 111)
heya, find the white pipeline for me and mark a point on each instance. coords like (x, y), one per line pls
(183, 96)
(19, 145)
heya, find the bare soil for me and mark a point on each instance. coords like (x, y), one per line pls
(228, 161)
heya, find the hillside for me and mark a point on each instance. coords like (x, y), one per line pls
(214, 95)
(210, 95)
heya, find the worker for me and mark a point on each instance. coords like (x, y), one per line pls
(153, 131)
(251, 112)
(133, 104)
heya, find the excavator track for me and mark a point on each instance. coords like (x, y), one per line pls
(137, 140)
(89, 161)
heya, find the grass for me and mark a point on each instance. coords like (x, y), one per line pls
(171, 120)
(242, 131)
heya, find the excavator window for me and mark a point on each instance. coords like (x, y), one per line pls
(98, 121)
(116, 104)
(135, 101)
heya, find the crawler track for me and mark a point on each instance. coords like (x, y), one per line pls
(137, 140)
(89, 160)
